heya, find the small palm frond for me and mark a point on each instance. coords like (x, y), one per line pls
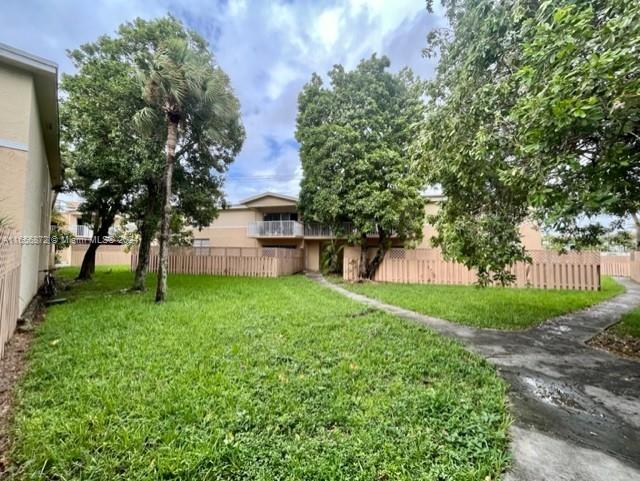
(147, 119)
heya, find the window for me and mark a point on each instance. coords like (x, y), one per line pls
(281, 216)
(200, 242)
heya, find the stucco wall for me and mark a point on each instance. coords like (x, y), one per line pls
(236, 218)
(37, 207)
(226, 237)
(530, 234)
(15, 97)
(230, 229)
(13, 166)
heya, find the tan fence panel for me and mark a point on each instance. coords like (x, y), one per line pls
(548, 270)
(9, 287)
(615, 265)
(106, 255)
(634, 266)
(228, 261)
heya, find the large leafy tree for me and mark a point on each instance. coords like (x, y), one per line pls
(523, 122)
(577, 119)
(117, 168)
(354, 137)
(466, 145)
(209, 140)
(188, 99)
(104, 161)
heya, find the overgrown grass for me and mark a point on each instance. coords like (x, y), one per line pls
(249, 379)
(629, 325)
(491, 307)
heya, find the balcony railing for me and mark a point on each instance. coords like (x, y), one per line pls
(275, 228)
(320, 230)
(83, 231)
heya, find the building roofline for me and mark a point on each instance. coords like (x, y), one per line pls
(45, 81)
(26, 60)
(265, 194)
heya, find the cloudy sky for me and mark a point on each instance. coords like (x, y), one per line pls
(269, 49)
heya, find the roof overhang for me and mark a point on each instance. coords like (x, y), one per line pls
(254, 198)
(45, 80)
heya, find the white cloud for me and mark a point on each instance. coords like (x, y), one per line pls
(279, 77)
(327, 26)
(269, 50)
(237, 8)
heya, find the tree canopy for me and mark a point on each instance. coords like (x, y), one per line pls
(105, 161)
(117, 166)
(533, 113)
(188, 98)
(577, 118)
(354, 138)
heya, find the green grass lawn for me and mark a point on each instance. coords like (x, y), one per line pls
(492, 307)
(629, 325)
(249, 379)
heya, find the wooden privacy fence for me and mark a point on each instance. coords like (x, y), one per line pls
(9, 287)
(548, 270)
(615, 265)
(229, 261)
(106, 255)
(634, 266)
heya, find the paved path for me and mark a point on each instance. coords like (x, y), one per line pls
(576, 408)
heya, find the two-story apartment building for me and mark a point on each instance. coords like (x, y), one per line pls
(272, 220)
(30, 167)
(82, 232)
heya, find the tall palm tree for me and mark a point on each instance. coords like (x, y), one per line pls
(191, 98)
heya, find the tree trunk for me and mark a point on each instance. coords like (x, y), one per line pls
(362, 269)
(636, 223)
(88, 266)
(148, 230)
(383, 247)
(95, 238)
(172, 140)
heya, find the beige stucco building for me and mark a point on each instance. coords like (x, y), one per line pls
(272, 220)
(30, 166)
(82, 232)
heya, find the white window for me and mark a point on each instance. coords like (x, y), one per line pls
(200, 242)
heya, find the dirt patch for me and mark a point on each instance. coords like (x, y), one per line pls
(625, 346)
(12, 366)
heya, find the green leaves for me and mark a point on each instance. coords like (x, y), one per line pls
(532, 106)
(585, 139)
(354, 137)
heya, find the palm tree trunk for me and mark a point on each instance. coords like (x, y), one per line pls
(172, 140)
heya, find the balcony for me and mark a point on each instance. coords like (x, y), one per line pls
(321, 231)
(275, 228)
(83, 231)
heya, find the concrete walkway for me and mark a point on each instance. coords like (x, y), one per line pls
(576, 409)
